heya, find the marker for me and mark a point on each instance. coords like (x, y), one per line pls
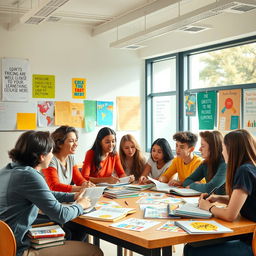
(126, 203)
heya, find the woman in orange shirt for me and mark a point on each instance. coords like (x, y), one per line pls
(102, 160)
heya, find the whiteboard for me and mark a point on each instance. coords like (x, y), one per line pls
(9, 110)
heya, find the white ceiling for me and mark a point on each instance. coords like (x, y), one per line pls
(130, 19)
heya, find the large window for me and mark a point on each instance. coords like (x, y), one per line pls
(230, 65)
(161, 99)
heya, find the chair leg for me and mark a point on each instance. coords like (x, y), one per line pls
(173, 249)
(125, 252)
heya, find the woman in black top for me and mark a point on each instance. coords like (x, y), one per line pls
(239, 151)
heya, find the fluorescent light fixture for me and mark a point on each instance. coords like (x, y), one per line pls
(184, 20)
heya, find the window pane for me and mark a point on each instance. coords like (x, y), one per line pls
(234, 65)
(164, 75)
(164, 118)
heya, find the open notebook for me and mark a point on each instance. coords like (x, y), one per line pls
(164, 187)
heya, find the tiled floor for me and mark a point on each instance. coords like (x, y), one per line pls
(110, 249)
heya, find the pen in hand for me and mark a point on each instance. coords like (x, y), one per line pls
(212, 192)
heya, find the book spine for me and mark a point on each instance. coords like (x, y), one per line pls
(45, 236)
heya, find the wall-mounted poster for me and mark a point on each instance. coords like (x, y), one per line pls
(190, 104)
(250, 110)
(43, 86)
(45, 113)
(78, 88)
(105, 112)
(206, 102)
(128, 113)
(229, 109)
(90, 115)
(15, 79)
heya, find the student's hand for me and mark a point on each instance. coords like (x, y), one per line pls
(88, 184)
(79, 194)
(204, 204)
(85, 202)
(132, 178)
(175, 183)
(112, 180)
(143, 180)
(213, 198)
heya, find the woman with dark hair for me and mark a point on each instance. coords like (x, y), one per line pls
(23, 191)
(63, 172)
(159, 160)
(102, 160)
(239, 151)
(213, 168)
(131, 156)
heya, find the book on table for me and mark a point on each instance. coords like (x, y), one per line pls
(120, 193)
(108, 214)
(202, 227)
(122, 181)
(164, 187)
(188, 211)
(139, 187)
(46, 232)
(156, 212)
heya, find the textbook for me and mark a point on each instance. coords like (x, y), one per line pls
(164, 187)
(202, 227)
(46, 231)
(40, 246)
(108, 214)
(189, 211)
(120, 193)
(156, 212)
(122, 181)
(46, 240)
(139, 187)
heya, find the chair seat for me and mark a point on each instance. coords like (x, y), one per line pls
(7, 241)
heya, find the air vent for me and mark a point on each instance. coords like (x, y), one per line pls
(236, 7)
(53, 19)
(133, 47)
(193, 29)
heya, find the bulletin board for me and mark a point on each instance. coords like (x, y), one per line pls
(9, 110)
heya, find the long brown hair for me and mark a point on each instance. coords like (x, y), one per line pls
(138, 158)
(241, 149)
(214, 139)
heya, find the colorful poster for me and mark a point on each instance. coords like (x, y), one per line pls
(43, 86)
(26, 121)
(67, 113)
(229, 109)
(15, 79)
(206, 102)
(78, 88)
(45, 113)
(105, 112)
(190, 104)
(128, 113)
(90, 115)
(250, 110)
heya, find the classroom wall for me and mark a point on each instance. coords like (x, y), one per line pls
(68, 51)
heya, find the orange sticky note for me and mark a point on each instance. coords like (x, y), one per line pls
(26, 121)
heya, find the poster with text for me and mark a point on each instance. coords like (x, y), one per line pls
(250, 110)
(105, 112)
(229, 109)
(78, 88)
(206, 102)
(67, 113)
(190, 104)
(128, 113)
(43, 86)
(90, 115)
(15, 79)
(45, 113)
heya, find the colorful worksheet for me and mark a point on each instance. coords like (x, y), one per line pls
(170, 227)
(135, 224)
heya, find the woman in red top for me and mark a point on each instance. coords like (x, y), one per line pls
(102, 160)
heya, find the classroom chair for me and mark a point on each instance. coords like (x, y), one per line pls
(254, 242)
(7, 240)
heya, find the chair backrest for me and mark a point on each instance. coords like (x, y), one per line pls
(254, 242)
(7, 240)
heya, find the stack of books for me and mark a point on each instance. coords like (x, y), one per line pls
(138, 187)
(120, 193)
(46, 236)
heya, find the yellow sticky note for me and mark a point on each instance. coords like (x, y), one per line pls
(26, 121)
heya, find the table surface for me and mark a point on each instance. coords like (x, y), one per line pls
(152, 238)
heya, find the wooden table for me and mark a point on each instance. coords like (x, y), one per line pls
(152, 241)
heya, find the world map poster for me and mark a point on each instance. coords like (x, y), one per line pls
(105, 112)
